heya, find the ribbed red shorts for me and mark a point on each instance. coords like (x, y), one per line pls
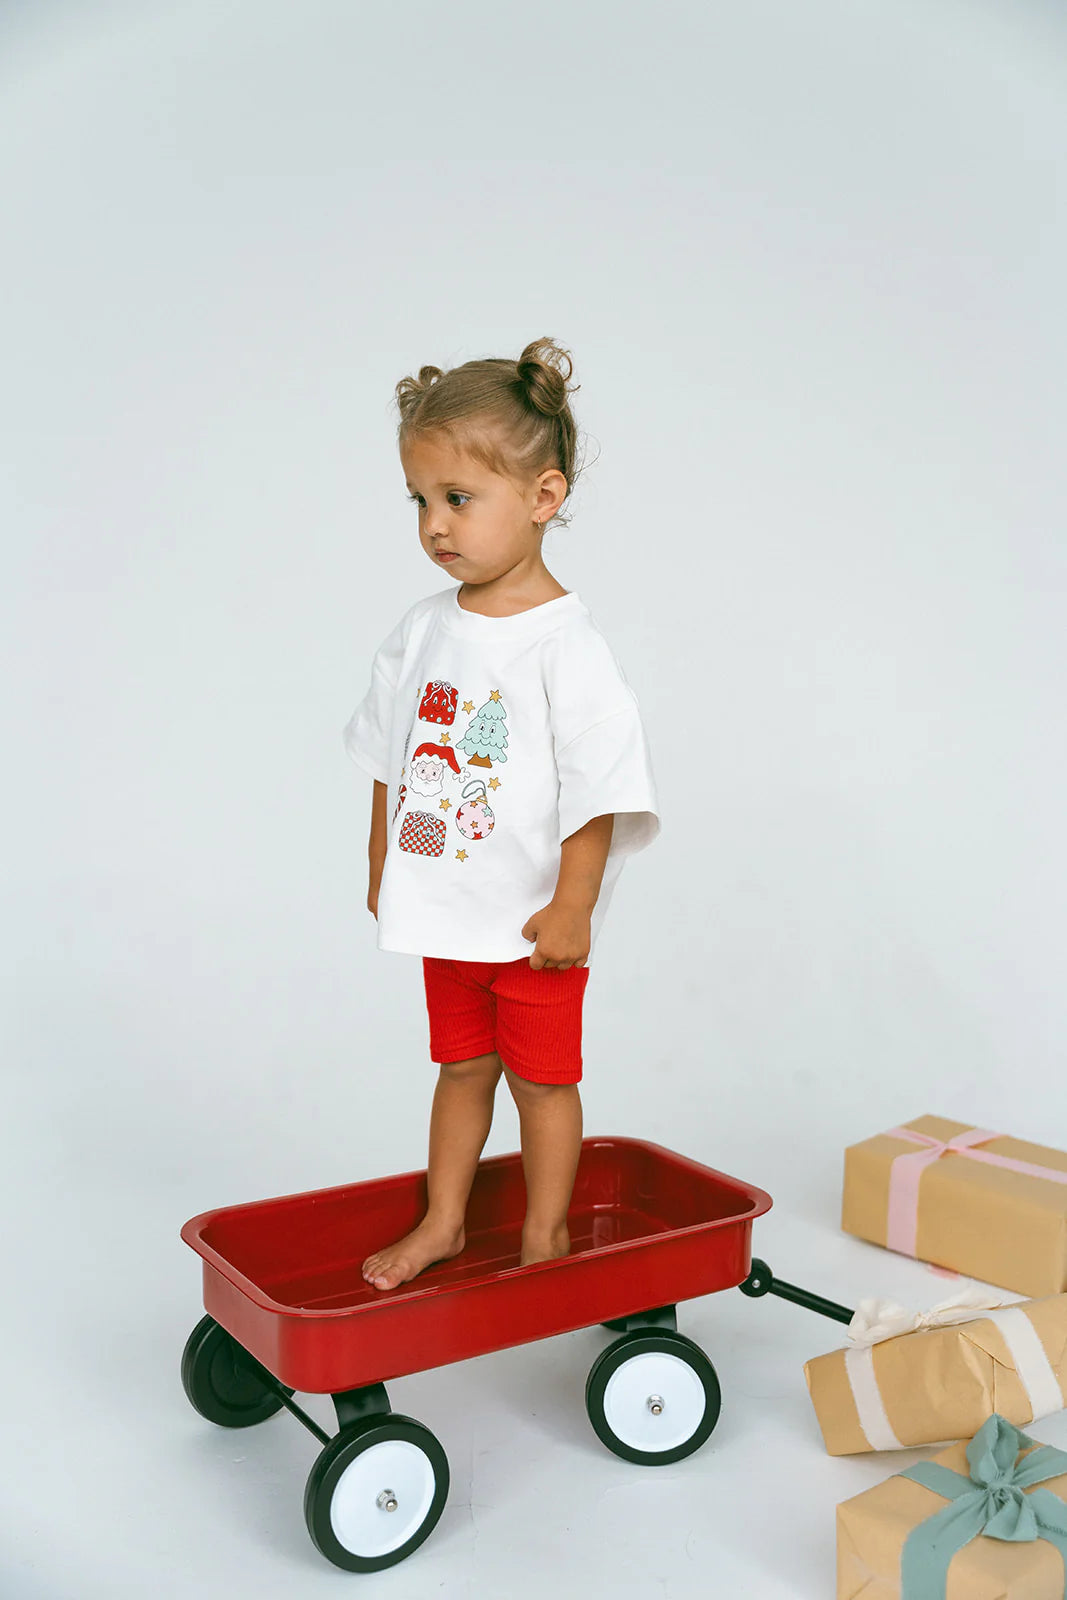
(533, 1017)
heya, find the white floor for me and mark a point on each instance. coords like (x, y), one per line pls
(114, 1487)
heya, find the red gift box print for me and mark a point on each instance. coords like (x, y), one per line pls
(423, 834)
(438, 703)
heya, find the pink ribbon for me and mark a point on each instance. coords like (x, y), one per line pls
(902, 1218)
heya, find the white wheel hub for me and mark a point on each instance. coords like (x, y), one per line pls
(361, 1516)
(677, 1401)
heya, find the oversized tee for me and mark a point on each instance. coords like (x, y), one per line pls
(498, 737)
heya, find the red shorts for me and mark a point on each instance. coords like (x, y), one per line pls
(532, 1016)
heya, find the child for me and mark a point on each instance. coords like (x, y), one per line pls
(501, 726)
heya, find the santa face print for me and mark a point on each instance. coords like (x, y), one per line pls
(427, 774)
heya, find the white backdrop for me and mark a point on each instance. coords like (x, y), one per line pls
(809, 262)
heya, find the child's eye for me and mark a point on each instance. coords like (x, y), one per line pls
(417, 498)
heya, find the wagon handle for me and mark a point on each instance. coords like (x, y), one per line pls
(761, 1281)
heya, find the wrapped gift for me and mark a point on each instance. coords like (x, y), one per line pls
(920, 1377)
(982, 1521)
(986, 1205)
(422, 833)
(438, 703)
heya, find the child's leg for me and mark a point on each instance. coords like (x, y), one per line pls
(459, 1126)
(550, 1120)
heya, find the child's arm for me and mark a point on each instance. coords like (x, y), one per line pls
(562, 928)
(379, 840)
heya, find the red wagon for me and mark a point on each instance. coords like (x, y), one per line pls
(288, 1309)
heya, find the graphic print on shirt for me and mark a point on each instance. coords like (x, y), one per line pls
(438, 703)
(486, 737)
(433, 769)
(423, 833)
(475, 819)
(428, 764)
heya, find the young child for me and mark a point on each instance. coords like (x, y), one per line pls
(511, 779)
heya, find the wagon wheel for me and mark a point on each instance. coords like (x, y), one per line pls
(376, 1492)
(653, 1397)
(223, 1382)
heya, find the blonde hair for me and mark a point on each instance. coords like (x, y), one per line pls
(513, 417)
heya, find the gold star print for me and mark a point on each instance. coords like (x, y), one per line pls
(444, 805)
(461, 855)
(445, 738)
(468, 705)
(495, 695)
(494, 783)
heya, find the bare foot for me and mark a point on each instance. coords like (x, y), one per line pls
(544, 1247)
(399, 1262)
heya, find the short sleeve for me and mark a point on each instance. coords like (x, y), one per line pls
(602, 752)
(368, 730)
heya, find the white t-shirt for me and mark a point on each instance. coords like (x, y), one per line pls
(498, 737)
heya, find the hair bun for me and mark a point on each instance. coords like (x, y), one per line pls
(540, 371)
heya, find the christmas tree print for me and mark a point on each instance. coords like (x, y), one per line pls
(486, 737)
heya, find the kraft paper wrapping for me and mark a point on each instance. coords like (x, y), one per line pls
(872, 1528)
(938, 1383)
(1002, 1227)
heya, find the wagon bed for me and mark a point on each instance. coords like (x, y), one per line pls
(648, 1228)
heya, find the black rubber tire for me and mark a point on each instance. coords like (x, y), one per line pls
(641, 1342)
(331, 1463)
(222, 1381)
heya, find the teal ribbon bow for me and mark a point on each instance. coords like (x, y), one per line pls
(990, 1501)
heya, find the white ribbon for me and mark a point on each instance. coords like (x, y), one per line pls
(878, 1319)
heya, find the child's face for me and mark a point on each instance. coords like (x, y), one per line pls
(463, 507)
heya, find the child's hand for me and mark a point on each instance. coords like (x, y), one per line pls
(562, 934)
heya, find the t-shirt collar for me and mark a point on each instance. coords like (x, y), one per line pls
(534, 619)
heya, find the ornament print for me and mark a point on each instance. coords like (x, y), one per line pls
(475, 820)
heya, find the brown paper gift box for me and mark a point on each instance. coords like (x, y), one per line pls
(938, 1383)
(1002, 1227)
(872, 1528)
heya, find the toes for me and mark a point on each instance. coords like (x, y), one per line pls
(381, 1272)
